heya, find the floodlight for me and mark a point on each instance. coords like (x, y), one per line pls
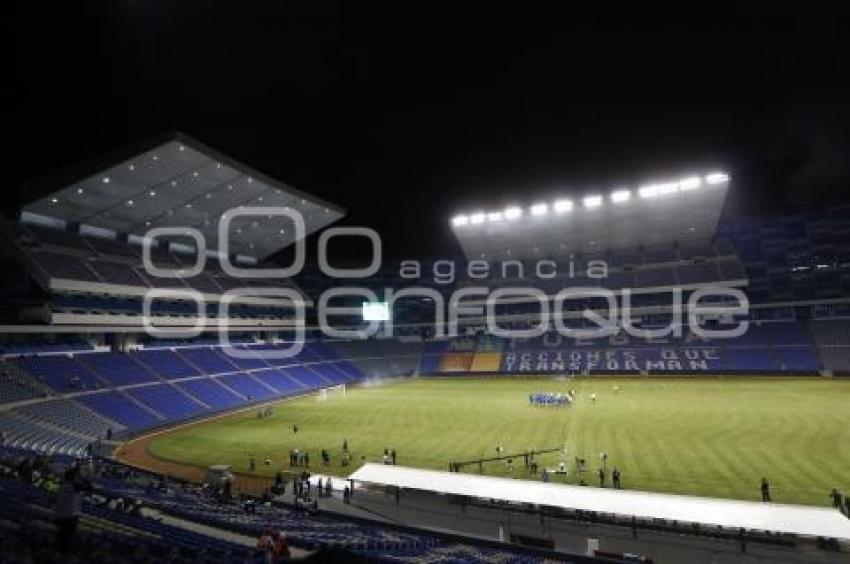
(494, 217)
(717, 178)
(477, 218)
(539, 209)
(653, 190)
(619, 196)
(563, 206)
(648, 191)
(513, 212)
(668, 188)
(460, 220)
(690, 183)
(592, 201)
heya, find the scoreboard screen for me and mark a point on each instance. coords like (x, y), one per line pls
(376, 311)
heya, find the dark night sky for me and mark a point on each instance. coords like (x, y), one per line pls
(405, 114)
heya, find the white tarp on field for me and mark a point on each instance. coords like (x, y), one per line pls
(774, 517)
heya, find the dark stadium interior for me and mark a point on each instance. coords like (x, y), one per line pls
(609, 320)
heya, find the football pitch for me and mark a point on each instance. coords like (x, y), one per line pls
(701, 436)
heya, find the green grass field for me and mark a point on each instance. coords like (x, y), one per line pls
(714, 437)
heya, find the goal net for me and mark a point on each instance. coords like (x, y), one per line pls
(331, 392)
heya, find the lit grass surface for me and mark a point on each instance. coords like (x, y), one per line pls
(711, 437)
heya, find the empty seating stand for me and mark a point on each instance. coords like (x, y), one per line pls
(69, 416)
(168, 400)
(118, 369)
(113, 405)
(60, 372)
(278, 380)
(246, 385)
(211, 393)
(166, 363)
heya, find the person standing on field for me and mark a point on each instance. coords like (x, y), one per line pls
(765, 490)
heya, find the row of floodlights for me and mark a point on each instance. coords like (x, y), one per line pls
(618, 196)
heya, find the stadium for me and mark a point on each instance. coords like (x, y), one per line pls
(193, 371)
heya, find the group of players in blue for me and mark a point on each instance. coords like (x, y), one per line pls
(551, 399)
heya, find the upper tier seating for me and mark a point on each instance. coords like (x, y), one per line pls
(117, 369)
(60, 372)
(166, 363)
(207, 359)
(14, 387)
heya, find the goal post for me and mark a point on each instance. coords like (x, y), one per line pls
(331, 392)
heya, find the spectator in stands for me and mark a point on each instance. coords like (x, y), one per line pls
(328, 487)
(837, 499)
(68, 510)
(765, 490)
(266, 545)
(281, 547)
(346, 495)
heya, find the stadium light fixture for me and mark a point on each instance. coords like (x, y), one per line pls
(477, 218)
(460, 220)
(668, 188)
(620, 196)
(512, 213)
(494, 217)
(563, 206)
(539, 209)
(654, 190)
(690, 183)
(648, 191)
(106, 180)
(716, 178)
(592, 201)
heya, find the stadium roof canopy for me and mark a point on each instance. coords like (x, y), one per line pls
(179, 182)
(653, 214)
